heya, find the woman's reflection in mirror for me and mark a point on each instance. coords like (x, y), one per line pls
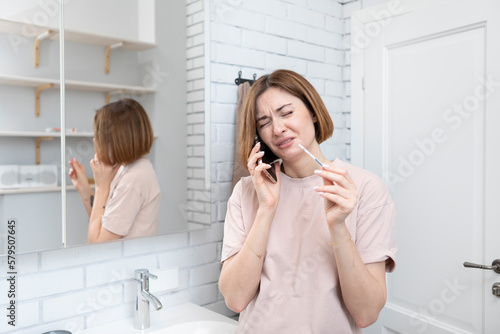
(126, 202)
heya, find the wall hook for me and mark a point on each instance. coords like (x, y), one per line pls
(239, 80)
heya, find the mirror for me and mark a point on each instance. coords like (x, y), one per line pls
(145, 42)
(29, 156)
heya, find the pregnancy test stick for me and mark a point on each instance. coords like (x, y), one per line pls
(310, 154)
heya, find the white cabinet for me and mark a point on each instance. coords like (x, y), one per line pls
(29, 104)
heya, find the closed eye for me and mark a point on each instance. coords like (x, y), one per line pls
(263, 121)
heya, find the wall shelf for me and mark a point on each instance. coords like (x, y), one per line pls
(34, 190)
(43, 84)
(40, 33)
(40, 136)
(36, 134)
(43, 135)
(13, 80)
(22, 28)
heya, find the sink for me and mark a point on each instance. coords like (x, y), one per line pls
(186, 318)
(199, 327)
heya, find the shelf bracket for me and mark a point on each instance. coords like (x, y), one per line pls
(108, 51)
(37, 96)
(113, 92)
(37, 147)
(37, 45)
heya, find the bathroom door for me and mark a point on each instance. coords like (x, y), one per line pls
(426, 118)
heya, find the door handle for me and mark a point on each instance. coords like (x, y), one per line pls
(495, 266)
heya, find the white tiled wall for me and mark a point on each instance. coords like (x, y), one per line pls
(198, 206)
(86, 286)
(70, 289)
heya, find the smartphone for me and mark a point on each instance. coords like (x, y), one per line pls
(268, 158)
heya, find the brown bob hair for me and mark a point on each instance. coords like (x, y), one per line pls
(122, 132)
(294, 84)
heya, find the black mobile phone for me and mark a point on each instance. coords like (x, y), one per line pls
(269, 158)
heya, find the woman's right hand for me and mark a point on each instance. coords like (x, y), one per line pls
(268, 193)
(103, 173)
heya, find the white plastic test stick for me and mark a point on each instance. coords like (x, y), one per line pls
(310, 154)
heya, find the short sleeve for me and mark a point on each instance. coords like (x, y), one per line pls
(376, 226)
(121, 209)
(234, 229)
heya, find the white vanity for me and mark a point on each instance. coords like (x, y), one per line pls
(183, 319)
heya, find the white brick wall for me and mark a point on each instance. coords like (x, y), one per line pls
(305, 36)
(69, 289)
(197, 194)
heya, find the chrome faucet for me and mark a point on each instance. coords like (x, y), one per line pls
(142, 299)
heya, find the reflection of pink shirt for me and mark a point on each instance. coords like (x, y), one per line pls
(133, 205)
(299, 287)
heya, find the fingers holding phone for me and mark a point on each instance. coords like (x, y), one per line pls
(269, 158)
(255, 156)
(269, 170)
(262, 157)
(265, 177)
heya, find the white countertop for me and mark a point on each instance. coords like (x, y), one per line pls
(160, 319)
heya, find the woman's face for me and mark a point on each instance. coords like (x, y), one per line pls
(284, 122)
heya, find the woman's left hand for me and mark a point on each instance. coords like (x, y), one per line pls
(339, 192)
(103, 174)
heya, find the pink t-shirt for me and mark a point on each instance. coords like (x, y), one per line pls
(299, 288)
(133, 206)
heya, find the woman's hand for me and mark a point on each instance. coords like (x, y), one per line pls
(79, 179)
(268, 193)
(103, 174)
(339, 192)
(78, 176)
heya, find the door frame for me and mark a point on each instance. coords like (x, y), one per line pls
(492, 164)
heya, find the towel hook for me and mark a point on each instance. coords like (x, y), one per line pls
(239, 80)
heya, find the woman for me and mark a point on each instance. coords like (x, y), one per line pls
(126, 203)
(307, 254)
